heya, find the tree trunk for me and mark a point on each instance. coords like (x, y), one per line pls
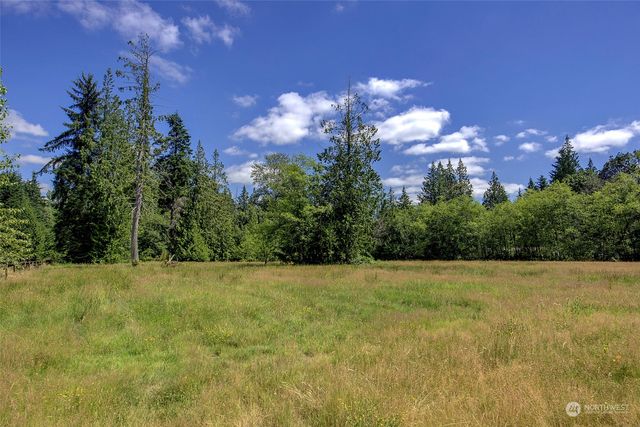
(137, 209)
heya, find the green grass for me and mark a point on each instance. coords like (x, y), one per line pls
(398, 343)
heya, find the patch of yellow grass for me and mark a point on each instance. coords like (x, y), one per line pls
(397, 343)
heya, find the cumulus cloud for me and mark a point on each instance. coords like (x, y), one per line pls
(20, 127)
(480, 186)
(203, 30)
(127, 17)
(510, 158)
(603, 138)
(552, 154)
(234, 7)
(91, 14)
(170, 70)
(33, 159)
(294, 118)
(551, 138)
(530, 132)
(237, 151)
(384, 88)
(530, 147)
(473, 164)
(465, 140)
(240, 174)
(245, 101)
(501, 139)
(416, 124)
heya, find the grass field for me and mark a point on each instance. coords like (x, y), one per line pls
(402, 343)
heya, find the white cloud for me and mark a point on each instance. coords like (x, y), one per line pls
(416, 124)
(602, 138)
(91, 14)
(234, 7)
(24, 7)
(552, 154)
(530, 147)
(473, 164)
(170, 70)
(480, 186)
(133, 18)
(391, 89)
(240, 174)
(530, 132)
(21, 127)
(203, 30)
(237, 151)
(245, 101)
(294, 118)
(129, 18)
(510, 158)
(551, 138)
(33, 159)
(465, 140)
(501, 139)
(339, 7)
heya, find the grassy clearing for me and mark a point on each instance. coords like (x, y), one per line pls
(402, 343)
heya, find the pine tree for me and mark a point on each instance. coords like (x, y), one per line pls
(449, 182)
(463, 185)
(174, 168)
(72, 168)
(349, 183)
(531, 186)
(137, 70)
(429, 192)
(405, 201)
(15, 245)
(542, 183)
(566, 163)
(495, 194)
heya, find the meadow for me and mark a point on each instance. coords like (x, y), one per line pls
(393, 343)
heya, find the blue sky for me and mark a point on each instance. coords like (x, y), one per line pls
(498, 84)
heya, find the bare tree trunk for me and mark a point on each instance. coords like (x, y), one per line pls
(137, 209)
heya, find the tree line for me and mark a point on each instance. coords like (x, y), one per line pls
(124, 190)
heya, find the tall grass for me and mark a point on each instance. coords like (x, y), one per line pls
(401, 343)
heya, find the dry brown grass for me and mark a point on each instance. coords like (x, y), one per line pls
(399, 343)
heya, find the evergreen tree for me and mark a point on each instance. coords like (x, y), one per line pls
(350, 184)
(566, 163)
(111, 179)
(72, 168)
(463, 185)
(138, 73)
(531, 186)
(15, 245)
(174, 168)
(542, 183)
(429, 193)
(495, 194)
(405, 201)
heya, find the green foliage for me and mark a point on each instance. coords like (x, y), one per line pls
(444, 183)
(349, 183)
(495, 194)
(566, 163)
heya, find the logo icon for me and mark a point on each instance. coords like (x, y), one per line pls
(572, 409)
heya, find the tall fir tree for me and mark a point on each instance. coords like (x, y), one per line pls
(350, 184)
(531, 186)
(495, 194)
(404, 202)
(72, 168)
(566, 163)
(174, 168)
(429, 192)
(463, 185)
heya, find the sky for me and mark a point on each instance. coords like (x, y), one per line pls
(497, 84)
